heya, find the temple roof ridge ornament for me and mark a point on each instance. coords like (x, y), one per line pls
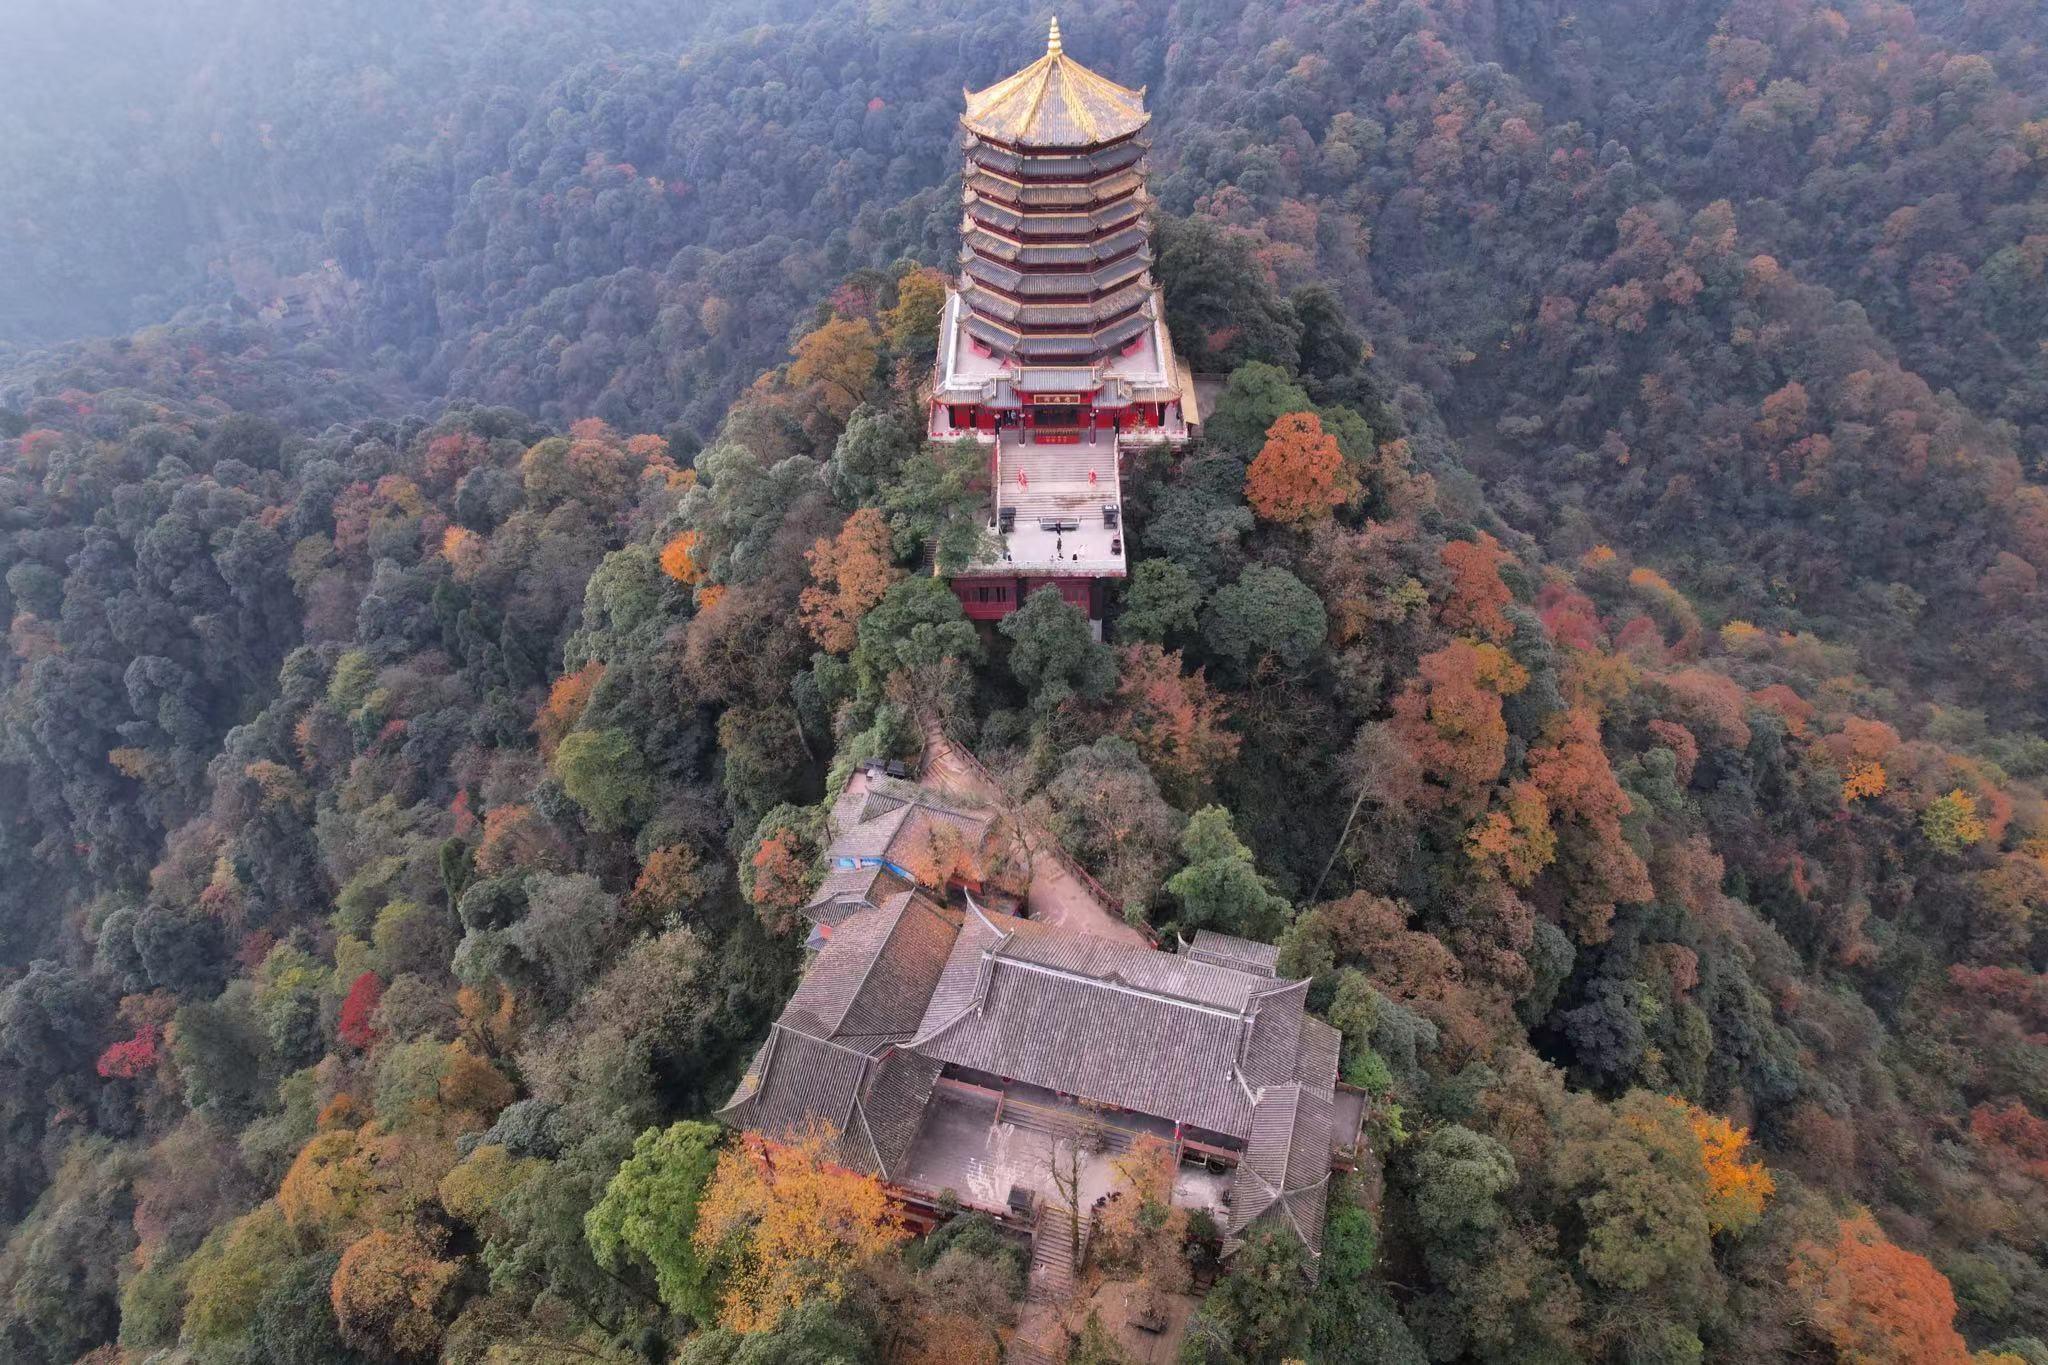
(1055, 102)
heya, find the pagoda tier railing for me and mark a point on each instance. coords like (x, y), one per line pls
(1035, 225)
(1061, 194)
(1055, 166)
(1056, 285)
(1062, 349)
(1088, 251)
(1123, 280)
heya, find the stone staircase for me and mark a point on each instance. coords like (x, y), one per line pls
(1057, 478)
(1052, 1255)
(1065, 1126)
(1023, 1352)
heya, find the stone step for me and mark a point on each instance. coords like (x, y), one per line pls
(1022, 1352)
(1052, 1255)
(1035, 1119)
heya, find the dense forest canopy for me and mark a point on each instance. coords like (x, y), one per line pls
(463, 514)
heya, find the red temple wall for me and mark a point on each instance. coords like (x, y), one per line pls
(991, 599)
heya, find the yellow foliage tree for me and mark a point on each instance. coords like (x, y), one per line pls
(331, 1181)
(914, 321)
(1951, 822)
(839, 360)
(1737, 1183)
(464, 551)
(388, 1288)
(1741, 637)
(679, 558)
(1139, 1230)
(230, 1272)
(850, 573)
(793, 1225)
(1864, 779)
(475, 1189)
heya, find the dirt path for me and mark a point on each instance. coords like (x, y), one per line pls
(1056, 897)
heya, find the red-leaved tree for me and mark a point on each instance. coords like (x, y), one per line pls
(132, 1057)
(358, 1008)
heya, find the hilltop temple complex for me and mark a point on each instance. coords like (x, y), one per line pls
(1053, 346)
(949, 1048)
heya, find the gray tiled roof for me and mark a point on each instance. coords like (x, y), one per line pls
(885, 821)
(830, 1060)
(846, 890)
(1273, 1047)
(1283, 1180)
(871, 1104)
(873, 978)
(1208, 1037)
(1320, 1045)
(893, 1106)
(1227, 950)
(796, 1080)
(1149, 1031)
(870, 838)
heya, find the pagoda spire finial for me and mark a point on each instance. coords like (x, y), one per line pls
(1052, 41)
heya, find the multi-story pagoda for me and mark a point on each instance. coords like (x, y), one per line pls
(1053, 348)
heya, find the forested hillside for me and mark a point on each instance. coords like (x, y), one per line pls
(1598, 637)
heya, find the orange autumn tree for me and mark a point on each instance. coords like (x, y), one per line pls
(519, 837)
(1175, 719)
(1515, 836)
(792, 1225)
(837, 359)
(1738, 1185)
(939, 854)
(388, 1289)
(1449, 718)
(564, 707)
(1877, 1303)
(674, 877)
(1299, 474)
(1478, 595)
(679, 558)
(2012, 1132)
(1859, 750)
(778, 877)
(1599, 867)
(850, 573)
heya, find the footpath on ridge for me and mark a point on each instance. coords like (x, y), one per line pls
(1058, 895)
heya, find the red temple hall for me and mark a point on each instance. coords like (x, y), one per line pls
(1053, 348)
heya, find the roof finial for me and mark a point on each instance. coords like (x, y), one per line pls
(1052, 41)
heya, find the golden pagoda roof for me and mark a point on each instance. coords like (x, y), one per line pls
(1055, 102)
